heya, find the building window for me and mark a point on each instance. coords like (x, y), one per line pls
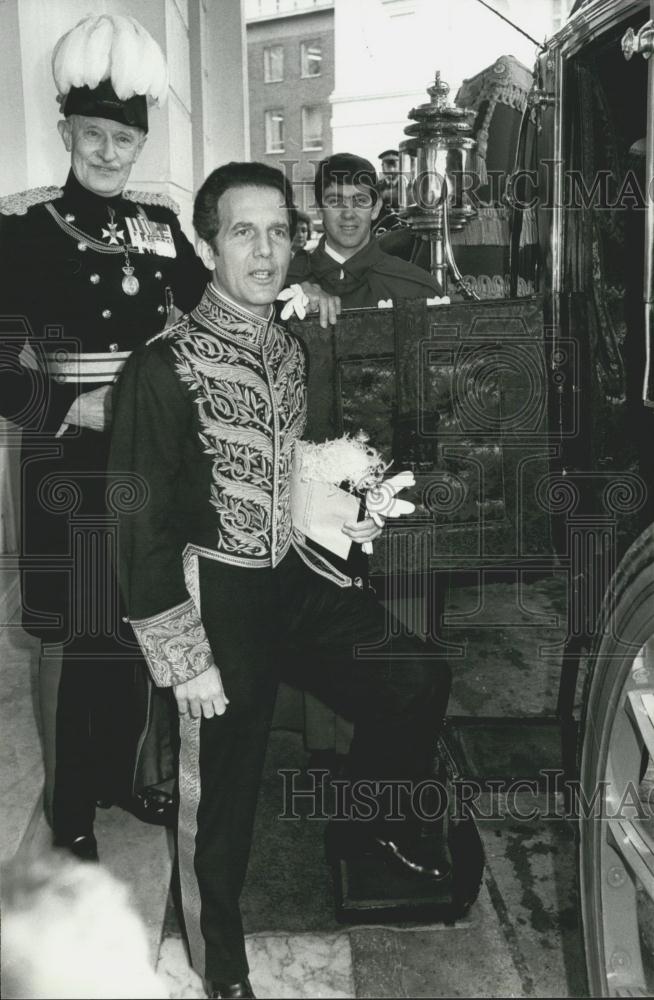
(274, 126)
(311, 58)
(311, 128)
(273, 63)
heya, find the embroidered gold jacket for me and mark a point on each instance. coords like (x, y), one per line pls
(207, 414)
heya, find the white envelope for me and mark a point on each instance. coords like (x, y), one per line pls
(319, 511)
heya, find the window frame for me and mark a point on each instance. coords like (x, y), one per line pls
(270, 112)
(316, 108)
(305, 45)
(267, 49)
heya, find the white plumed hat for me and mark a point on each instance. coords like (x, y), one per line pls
(109, 66)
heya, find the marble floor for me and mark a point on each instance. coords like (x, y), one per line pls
(520, 939)
(281, 965)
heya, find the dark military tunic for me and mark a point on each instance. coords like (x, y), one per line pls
(67, 326)
(63, 294)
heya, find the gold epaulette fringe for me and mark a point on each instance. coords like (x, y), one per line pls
(18, 204)
(152, 198)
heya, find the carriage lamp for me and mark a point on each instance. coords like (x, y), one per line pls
(435, 172)
(642, 42)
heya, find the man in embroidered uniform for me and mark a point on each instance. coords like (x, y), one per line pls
(348, 262)
(223, 596)
(89, 271)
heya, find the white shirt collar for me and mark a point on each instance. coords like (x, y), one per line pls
(334, 254)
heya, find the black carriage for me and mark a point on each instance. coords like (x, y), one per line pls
(527, 417)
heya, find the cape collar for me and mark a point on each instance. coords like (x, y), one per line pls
(221, 314)
(356, 266)
(338, 257)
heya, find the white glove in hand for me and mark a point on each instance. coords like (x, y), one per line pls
(296, 302)
(382, 501)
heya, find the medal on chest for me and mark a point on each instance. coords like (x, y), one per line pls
(130, 283)
(116, 237)
(147, 236)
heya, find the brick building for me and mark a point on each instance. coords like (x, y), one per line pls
(290, 46)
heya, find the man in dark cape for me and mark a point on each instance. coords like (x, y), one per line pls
(348, 262)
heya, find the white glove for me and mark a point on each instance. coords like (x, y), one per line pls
(296, 302)
(382, 501)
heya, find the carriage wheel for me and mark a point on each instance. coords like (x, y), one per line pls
(616, 829)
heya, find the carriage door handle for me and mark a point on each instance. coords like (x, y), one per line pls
(642, 42)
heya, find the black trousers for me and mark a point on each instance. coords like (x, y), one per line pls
(287, 623)
(113, 734)
(104, 729)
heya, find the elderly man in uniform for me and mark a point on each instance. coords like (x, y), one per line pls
(224, 596)
(89, 271)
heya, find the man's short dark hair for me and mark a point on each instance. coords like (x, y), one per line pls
(235, 175)
(395, 153)
(345, 168)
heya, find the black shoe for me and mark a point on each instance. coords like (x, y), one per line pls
(83, 846)
(150, 806)
(418, 852)
(423, 854)
(216, 991)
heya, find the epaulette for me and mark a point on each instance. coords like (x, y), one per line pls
(18, 204)
(152, 198)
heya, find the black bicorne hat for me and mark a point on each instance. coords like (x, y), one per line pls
(102, 102)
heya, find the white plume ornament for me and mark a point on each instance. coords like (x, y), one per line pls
(154, 65)
(347, 459)
(125, 65)
(111, 46)
(97, 52)
(68, 57)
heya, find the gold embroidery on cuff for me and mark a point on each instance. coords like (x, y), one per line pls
(174, 644)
